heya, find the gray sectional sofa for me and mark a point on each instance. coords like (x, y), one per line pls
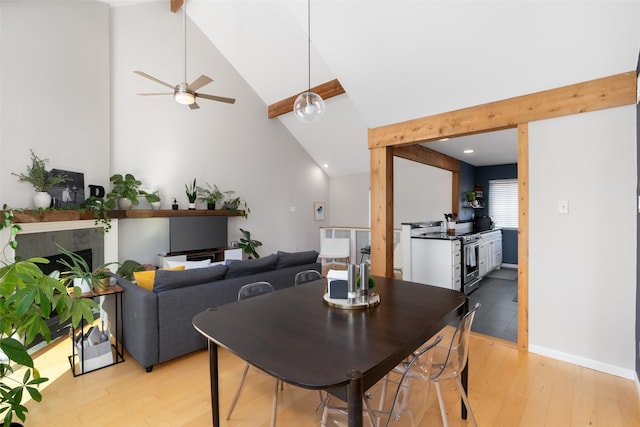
(157, 324)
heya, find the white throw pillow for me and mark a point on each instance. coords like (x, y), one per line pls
(188, 265)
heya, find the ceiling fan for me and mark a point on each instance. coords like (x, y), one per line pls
(185, 93)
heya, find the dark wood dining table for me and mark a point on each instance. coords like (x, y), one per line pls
(293, 335)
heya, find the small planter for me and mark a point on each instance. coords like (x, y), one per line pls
(192, 206)
(155, 206)
(124, 203)
(41, 200)
(211, 206)
(83, 284)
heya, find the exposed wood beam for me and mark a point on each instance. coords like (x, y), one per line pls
(382, 211)
(607, 92)
(176, 5)
(425, 155)
(523, 236)
(325, 90)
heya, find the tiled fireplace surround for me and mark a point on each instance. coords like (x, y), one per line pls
(39, 238)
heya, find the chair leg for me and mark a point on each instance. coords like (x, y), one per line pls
(443, 410)
(235, 397)
(465, 399)
(274, 406)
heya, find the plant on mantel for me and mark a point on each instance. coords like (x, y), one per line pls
(41, 179)
(125, 191)
(28, 297)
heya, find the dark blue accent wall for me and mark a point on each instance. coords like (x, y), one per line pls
(467, 181)
(469, 177)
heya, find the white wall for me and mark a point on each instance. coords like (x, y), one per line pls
(582, 265)
(54, 80)
(234, 146)
(421, 193)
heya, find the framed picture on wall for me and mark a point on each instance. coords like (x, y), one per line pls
(318, 211)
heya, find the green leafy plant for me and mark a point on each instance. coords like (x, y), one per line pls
(100, 211)
(128, 267)
(27, 298)
(38, 176)
(126, 187)
(191, 191)
(150, 197)
(249, 245)
(471, 196)
(210, 195)
(78, 268)
(236, 203)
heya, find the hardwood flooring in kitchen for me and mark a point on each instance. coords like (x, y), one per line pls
(498, 313)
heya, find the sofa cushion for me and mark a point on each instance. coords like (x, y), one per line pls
(293, 259)
(146, 279)
(237, 268)
(167, 279)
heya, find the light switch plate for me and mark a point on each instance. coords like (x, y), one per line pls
(563, 206)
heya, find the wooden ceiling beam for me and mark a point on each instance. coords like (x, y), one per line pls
(598, 94)
(325, 90)
(176, 5)
(427, 156)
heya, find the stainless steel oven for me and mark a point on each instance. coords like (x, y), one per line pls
(470, 262)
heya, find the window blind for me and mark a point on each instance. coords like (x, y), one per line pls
(503, 202)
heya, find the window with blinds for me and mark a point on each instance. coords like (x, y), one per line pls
(503, 202)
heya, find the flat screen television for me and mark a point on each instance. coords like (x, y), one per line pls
(197, 233)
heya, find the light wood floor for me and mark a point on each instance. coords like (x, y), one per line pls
(508, 388)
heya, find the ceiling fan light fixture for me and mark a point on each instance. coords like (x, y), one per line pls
(183, 96)
(309, 107)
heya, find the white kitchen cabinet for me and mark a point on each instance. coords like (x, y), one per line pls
(435, 262)
(483, 257)
(490, 252)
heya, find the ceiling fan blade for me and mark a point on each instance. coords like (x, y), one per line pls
(199, 82)
(153, 94)
(143, 74)
(216, 98)
(194, 106)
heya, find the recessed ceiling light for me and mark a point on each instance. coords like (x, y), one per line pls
(443, 139)
(468, 151)
(326, 165)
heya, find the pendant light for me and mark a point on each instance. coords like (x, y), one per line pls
(309, 106)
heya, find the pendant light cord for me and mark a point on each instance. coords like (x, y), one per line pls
(309, 44)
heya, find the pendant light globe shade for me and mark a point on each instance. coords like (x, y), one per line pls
(309, 107)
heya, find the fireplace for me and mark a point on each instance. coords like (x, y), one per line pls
(37, 239)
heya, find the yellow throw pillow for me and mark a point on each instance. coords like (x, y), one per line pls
(145, 279)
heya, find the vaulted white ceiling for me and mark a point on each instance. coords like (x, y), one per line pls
(400, 60)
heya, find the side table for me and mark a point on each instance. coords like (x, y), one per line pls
(107, 353)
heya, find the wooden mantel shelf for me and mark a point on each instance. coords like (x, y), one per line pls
(30, 216)
(167, 213)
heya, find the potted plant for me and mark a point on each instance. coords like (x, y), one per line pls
(236, 203)
(249, 245)
(80, 274)
(41, 179)
(27, 298)
(152, 198)
(125, 191)
(210, 195)
(192, 193)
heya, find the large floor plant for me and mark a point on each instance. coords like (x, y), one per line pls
(27, 298)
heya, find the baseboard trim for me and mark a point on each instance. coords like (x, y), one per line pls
(509, 265)
(586, 363)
